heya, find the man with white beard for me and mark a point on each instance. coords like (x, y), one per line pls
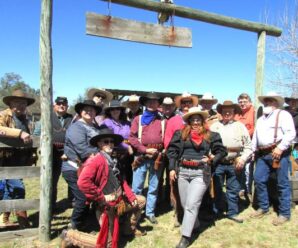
(271, 141)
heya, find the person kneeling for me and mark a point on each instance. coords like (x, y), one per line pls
(101, 182)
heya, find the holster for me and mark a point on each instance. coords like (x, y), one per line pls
(137, 161)
(158, 161)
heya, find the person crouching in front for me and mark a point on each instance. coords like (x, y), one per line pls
(101, 182)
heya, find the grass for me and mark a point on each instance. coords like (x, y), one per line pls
(224, 233)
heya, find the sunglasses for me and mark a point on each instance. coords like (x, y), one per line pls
(186, 102)
(108, 141)
(198, 121)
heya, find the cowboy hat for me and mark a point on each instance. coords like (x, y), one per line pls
(94, 91)
(105, 132)
(195, 111)
(271, 94)
(208, 97)
(168, 101)
(294, 96)
(150, 96)
(186, 95)
(114, 104)
(227, 104)
(16, 95)
(79, 106)
(131, 99)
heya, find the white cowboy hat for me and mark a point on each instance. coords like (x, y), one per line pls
(131, 99)
(273, 95)
(168, 101)
(195, 111)
(208, 97)
(93, 91)
(186, 95)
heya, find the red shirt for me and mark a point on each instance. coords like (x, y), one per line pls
(173, 124)
(248, 119)
(151, 134)
(94, 177)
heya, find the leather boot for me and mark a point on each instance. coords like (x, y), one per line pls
(184, 242)
(23, 219)
(5, 221)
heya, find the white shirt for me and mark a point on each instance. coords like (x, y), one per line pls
(264, 131)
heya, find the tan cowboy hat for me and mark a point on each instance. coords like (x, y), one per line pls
(18, 94)
(168, 101)
(131, 99)
(271, 94)
(195, 111)
(186, 95)
(294, 96)
(228, 103)
(93, 91)
(208, 97)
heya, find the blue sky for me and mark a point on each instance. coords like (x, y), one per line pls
(222, 60)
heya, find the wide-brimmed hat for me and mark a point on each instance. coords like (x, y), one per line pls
(150, 96)
(208, 97)
(18, 94)
(195, 111)
(271, 94)
(61, 99)
(79, 106)
(93, 91)
(168, 101)
(230, 104)
(131, 99)
(294, 96)
(106, 133)
(114, 104)
(186, 95)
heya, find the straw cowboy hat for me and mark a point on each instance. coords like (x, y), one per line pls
(131, 99)
(79, 106)
(168, 101)
(271, 94)
(106, 133)
(186, 95)
(108, 96)
(294, 96)
(18, 95)
(208, 97)
(114, 104)
(150, 96)
(195, 111)
(228, 103)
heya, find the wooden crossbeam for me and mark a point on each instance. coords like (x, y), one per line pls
(19, 234)
(17, 205)
(19, 172)
(199, 15)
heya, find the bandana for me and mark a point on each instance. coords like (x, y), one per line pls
(196, 138)
(148, 117)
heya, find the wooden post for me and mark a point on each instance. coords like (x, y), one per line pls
(46, 122)
(260, 67)
(200, 16)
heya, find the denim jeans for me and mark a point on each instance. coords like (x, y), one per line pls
(80, 210)
(262, 172)
(192, 184)
(222, 173)
(138, 181)
(246, 177)
(13, 189)
(2, 187)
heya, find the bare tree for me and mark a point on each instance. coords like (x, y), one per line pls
(284, 53)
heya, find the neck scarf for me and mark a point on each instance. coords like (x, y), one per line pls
(148, 117)
(196, 138)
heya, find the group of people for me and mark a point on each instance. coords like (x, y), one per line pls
(107, 149)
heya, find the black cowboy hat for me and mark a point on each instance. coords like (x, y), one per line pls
(114, 104)
(18, 94)
(105, 132)
(294, 96)
(79, 106)
(150, 96)
(228, 103)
